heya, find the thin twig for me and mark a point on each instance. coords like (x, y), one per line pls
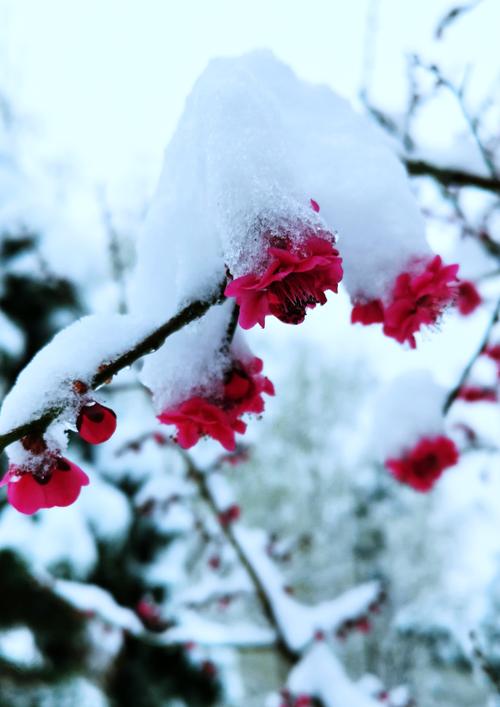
(450, 177)
(148, 345)
(200, 479)
(465, 373)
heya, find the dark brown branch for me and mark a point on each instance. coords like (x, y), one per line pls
(148, 345)
(449, 177)
(465, 373)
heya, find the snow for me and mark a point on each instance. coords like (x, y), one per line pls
(253, 145)
(59, 536)
(75, 353)
(193, 627)
(416, 402)
(320, 674)
(299, 623)
(17, 645)
(94, 599)
(12, 338)
(191, 362)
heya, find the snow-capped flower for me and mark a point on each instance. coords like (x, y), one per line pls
(56, 482)
(475, 394)
(417, 299)
(96, 423)
(421, 466)
(219, 417)
(296, 279)
(468, 297)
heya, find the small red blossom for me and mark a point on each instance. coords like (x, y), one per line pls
(96, 423)
(493, 352)
(475, 394)
(209, 668)
(417, 299)
(57, 482)
(371, 312)
(363, 625)
(422, 466)
(295, 280)
(302, 701)
(314, 205)
(229, 515)
(219, 418)
(468, 297)
(197, 417)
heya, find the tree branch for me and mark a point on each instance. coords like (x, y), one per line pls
(149, 344)
(452, 396)
(200, 480)
(451, 177)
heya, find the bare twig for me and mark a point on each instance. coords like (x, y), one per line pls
(452, 15)
(200, 479)
(150, 343)
(465, 373)
(450, 177)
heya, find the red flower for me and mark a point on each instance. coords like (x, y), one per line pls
(197, 417)
(230, 515)
(422, 466)
(474, 394)
(493, 352)
(368, 313)
(220, 418)
(416, 300)
(363, 625)
(96, 423)
(419, 300)
(468, 299)
(56, 483)
(295, 280)
(244, 387)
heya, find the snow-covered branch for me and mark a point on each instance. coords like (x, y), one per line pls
(147, 344)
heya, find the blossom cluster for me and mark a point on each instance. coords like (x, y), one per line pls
(235, 196)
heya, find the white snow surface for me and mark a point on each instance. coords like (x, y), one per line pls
(17, 645)
(405, 410)
(253, 145)
(75, 353)
(320, 674)
(298, 622)
(91, 598)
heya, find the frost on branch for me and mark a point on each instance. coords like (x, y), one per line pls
(416, 450)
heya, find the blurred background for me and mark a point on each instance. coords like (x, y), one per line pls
(133, 595)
